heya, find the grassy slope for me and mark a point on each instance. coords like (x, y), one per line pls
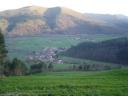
(71, 60)
(24, 45)
(106, 83)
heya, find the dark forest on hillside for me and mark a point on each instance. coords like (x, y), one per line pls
(115, 51)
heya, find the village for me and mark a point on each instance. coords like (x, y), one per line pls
(46, 55)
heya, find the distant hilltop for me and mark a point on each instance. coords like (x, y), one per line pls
(35, 20)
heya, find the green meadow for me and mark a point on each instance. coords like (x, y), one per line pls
(92, 83)
(74, 83)
(21, 46)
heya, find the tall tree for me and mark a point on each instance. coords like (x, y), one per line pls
(18, 67)
(40, 67)
(50, 66)
(3, 53)
(7, 67)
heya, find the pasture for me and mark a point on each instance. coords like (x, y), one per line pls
(92, 83)
(21, 46)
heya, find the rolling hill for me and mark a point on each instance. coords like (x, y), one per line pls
(115, 51)
(35, 20)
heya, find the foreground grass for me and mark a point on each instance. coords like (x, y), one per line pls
(104, 83)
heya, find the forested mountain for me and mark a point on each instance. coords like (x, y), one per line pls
(115, 51)
(35, 20)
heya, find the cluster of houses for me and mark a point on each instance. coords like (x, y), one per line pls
(46, 55)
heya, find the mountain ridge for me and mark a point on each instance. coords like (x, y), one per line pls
(36, 20)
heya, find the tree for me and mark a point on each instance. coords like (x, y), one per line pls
(18, 67)
(7, 67)
(86, 67)
(3, 53)
(43, 66)
(40, 67)
(74, 67)
(80, 67)
(50, 66)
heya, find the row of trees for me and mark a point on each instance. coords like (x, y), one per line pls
(18, 67)
(41, 67)
(92, 67)
(15, 67)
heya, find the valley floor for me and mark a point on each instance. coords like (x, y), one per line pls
(97, 83)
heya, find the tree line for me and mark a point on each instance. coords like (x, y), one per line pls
(94, 67)
(41, 67)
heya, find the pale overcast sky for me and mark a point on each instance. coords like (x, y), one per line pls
(84, 6)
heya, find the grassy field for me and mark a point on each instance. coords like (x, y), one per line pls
(103, 83)
(21, 46)
(36, 43)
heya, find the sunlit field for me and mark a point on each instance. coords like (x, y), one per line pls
(93, 83)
